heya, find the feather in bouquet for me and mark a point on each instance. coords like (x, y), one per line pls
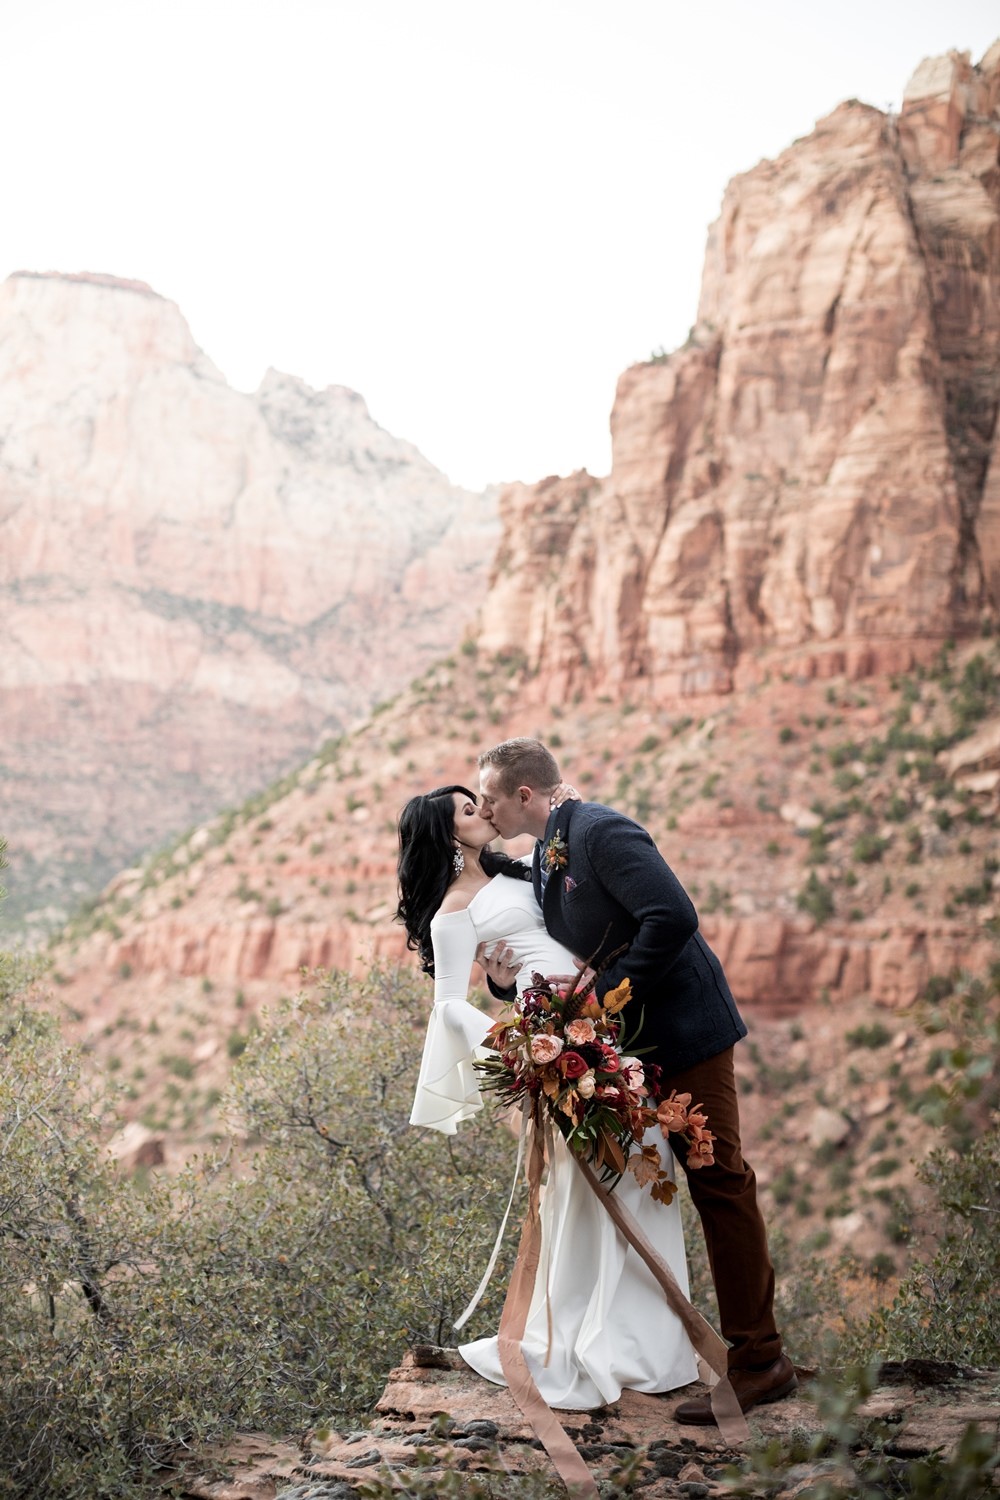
(566, 1054)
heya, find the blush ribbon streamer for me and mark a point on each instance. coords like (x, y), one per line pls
(548, 1429)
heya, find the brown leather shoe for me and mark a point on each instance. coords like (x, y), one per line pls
(752, 1387)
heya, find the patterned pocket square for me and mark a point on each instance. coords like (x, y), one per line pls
(569, 884)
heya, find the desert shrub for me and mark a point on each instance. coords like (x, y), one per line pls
(850, 1459)
(382, 1230)
(977, 694)
(139, 1321)
(819, 842)
(875, 1035)
(69, 1262)
(816, 898)
(946, 1306)
(869, 847)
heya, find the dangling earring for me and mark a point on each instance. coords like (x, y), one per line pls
(458, 861)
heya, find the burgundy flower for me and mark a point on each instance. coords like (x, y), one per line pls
(573, 1065)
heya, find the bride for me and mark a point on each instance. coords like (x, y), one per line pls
(611, 1328)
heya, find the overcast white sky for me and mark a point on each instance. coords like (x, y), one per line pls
(476, 214)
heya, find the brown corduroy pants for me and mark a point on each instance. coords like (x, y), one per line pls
(725, 1196)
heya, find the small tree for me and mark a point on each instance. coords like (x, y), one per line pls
(271, 1287)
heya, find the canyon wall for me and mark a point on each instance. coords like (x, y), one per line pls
(818, 469)
(197, 585)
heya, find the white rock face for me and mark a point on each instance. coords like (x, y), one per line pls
(196, 584)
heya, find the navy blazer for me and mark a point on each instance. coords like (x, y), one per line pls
(616, 890)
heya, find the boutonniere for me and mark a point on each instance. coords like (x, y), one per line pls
(555, 855)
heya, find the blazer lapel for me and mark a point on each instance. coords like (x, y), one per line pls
(558, 825)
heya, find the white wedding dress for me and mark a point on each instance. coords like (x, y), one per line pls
(611, 1326)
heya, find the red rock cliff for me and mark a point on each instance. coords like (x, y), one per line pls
(818, 468)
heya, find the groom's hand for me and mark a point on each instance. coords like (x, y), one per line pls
(500, 966)
(581, 983)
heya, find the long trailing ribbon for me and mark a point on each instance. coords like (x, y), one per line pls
(726, 1409)
(477, 1295)
(553, 1436)
(707, 1344)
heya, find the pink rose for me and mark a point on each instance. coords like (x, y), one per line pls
(572, 1065)
(580, 1032)
(545, 1048)
(633, 1073)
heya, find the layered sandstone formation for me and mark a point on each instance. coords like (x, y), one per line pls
(818, 469)
(197, 584)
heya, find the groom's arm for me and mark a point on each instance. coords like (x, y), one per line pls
(631, 869)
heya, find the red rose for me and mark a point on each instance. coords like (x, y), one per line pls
(610, 1063)
(573, 1065)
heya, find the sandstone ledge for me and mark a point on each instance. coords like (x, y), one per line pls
(434, 1401)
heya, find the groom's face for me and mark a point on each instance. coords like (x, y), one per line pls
(505, 810)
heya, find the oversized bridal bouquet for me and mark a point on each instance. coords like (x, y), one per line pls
(564, 1053)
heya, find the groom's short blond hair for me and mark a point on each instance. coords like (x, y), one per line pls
(522, 762)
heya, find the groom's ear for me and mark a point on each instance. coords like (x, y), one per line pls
(525, 794)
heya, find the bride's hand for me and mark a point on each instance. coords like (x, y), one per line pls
(581, 983)
(500, 965)
(564, 793)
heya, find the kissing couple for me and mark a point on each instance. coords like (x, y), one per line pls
(609, 892)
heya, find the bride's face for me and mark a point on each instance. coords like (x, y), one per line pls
(471, 829)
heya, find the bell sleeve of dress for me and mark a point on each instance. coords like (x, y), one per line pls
(448, 1086)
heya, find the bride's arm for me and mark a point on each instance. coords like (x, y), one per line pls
(448, 1087)
(455, 943)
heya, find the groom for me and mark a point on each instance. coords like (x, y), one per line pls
(599, 878)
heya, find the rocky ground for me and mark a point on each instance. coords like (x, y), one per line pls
(435, 1407)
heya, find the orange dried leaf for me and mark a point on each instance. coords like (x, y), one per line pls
(664, 1190)
(617, 999)
(645, 1165)
(551, 1083)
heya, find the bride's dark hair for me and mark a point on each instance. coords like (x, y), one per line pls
(425, 868)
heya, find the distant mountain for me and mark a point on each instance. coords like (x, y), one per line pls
(197, 586)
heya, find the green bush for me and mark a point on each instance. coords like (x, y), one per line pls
(946, 1307)
(872, 1036)
(135, 1322)
(869, 848)
(849, 1458)
(816, 898)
